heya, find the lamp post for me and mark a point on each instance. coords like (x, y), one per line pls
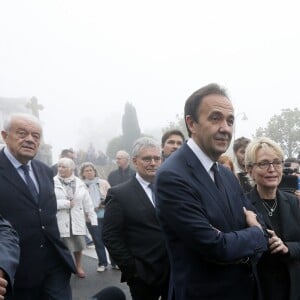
(244, 118)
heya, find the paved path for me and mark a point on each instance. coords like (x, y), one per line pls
(83, 288)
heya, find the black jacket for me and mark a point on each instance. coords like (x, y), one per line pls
(289, 218)
(132, 234)
(36, 224)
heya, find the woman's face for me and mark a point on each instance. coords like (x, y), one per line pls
(88, 173)
(64, 171)
(265, 174)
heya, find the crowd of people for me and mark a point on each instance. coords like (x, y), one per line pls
(182, 219)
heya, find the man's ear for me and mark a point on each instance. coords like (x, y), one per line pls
(190, 123)
(4, 135)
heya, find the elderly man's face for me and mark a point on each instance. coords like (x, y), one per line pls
(23, 139)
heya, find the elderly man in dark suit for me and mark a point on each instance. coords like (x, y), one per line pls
(213, 237)
(28, 203)
(131, 231)
(9, 256)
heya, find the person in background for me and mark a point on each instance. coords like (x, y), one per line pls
(9, 256)
(73, 204)
(124, 171)
(69, 153)
(98, 189)
(212, 233)
(279, 267)
(227, 162)
(239, 148)
(131, 231)
(28, 202)
(171, 141)
(294, 166)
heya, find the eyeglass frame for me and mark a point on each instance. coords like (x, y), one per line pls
(149, 159)
(265, 164)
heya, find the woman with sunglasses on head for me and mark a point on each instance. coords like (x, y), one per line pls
(279, 267)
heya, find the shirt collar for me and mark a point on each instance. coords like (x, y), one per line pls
(204, 159)
(142, 181)
(13, 160)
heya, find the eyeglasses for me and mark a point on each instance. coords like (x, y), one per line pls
(148, 159)
(265, 164)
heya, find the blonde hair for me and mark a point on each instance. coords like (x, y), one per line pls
(261, 143)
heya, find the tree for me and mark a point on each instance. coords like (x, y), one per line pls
(131, 132)
(285, 130)
(130, 126)
(179, 124)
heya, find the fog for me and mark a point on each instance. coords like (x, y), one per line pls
(83, 60)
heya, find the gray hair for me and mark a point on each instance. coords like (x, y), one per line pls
(144, 142)
(123, 154)
(12, 117)
(67, 162)
(85, 165)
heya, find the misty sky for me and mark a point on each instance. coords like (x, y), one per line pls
(84, 60)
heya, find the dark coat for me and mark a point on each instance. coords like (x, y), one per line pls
(132, 234)
(119, 176)
(9, 250)
(35, 224)
(289, 218)
(207, 236)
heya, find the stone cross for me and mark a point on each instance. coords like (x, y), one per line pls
(34, 106)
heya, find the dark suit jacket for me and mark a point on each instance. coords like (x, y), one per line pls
(206, 231)
(132, 234)
(35, 223)
(9, 250)
(289, 218)
(119, 176)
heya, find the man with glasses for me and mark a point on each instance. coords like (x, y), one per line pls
(28, 202)
(131, 231)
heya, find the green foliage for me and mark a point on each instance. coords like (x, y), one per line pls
(179, 124)
(285, 130)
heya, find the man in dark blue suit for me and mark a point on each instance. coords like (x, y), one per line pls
(131, 231)
(213, 237)
(28, 202)
(9, 256)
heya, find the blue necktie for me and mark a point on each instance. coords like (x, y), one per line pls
(218, 179)
(30, 183)
(151, 187)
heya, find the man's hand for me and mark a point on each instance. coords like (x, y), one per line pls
(251, 218)
(3, 285)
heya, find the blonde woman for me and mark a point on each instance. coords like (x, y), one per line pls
(73, 204)
(279, 267)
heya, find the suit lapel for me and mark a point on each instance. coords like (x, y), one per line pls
(11, 175)
(142, 197)
(201, 176)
